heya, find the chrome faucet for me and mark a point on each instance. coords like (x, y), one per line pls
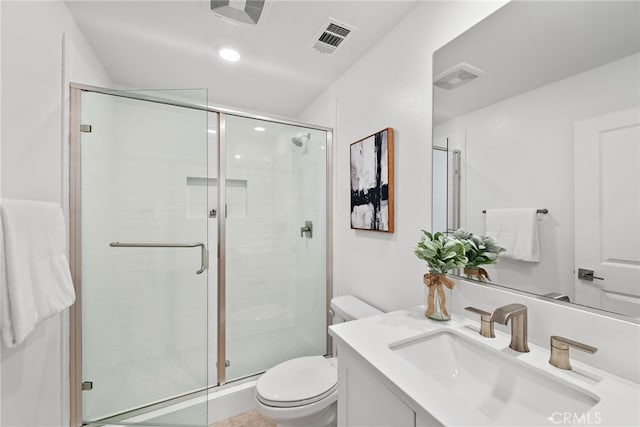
(517, 313)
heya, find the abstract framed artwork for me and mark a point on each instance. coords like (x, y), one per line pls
(372, 182)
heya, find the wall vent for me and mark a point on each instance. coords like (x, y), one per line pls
(457, 75)
(331, 35)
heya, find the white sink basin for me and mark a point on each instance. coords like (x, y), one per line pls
(493, 382)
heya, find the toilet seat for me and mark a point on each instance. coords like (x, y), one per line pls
(298, 382)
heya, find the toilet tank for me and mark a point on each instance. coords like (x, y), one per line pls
(348, 307)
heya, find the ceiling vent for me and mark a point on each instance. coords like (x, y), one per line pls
(457, 75)
(331, 35)
(239, 11)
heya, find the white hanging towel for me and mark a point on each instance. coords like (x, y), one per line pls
(35, 281)
(516, 230)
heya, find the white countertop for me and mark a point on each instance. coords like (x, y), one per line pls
(619, 399)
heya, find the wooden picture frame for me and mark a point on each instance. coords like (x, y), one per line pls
(372, 201)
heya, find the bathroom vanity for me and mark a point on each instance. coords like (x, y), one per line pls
(403, 369)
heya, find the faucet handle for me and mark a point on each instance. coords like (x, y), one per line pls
(560, 351)
(486, 324)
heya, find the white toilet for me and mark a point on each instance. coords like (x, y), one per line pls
(304, 391)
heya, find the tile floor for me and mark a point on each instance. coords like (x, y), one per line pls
(248, 419)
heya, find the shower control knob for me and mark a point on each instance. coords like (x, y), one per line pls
(307, 229)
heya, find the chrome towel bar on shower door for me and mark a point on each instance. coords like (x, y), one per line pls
(204, 256)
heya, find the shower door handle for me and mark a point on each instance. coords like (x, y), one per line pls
(204, 253)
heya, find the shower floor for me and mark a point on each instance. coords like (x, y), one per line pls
(248, 354)
(137, 383)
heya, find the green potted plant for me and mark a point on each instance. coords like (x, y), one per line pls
(442, 254)
(479, 250)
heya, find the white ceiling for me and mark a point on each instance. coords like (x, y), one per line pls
(173, 44)
(529, 44)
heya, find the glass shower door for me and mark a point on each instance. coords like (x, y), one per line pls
(144, 255)
(276, 227)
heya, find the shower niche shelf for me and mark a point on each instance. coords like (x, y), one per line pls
(236, 196)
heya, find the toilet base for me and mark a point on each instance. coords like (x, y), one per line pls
(283, 417)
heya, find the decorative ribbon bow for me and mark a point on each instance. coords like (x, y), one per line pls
(479, 273)
(434, 282)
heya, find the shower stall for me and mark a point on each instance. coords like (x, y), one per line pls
(200, 250)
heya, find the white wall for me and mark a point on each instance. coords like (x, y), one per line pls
(529, 149)
(390, 87)
(34, 388)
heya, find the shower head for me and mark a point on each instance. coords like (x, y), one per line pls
(299, 140)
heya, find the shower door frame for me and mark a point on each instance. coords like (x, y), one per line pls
(75, 222)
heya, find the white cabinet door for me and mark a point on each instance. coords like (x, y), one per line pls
(607, 211)
(364, 401)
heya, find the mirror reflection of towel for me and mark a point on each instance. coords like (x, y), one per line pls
(516, 230)
(35, 280)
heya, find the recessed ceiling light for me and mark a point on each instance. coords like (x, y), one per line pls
(211, 131)
(229, 54)
(237, 156)
(259, 129)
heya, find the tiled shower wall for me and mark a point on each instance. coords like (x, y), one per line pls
(310, 194)
(144, 309)
(260, 276)
(260, 260)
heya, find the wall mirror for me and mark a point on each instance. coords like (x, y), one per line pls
(537, 107)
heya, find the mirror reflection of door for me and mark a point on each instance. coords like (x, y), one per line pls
(540, 68)
(607, 211)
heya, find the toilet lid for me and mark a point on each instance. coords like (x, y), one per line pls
(297, 382)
